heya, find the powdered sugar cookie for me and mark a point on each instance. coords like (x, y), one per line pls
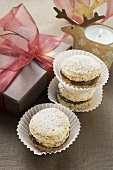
(49, 129)
(79, 101)
(81, 71)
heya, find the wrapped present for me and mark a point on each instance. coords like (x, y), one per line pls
(25, 60)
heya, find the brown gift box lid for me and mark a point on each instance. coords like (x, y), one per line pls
(27, 86)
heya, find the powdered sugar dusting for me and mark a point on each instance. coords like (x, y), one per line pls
(85, 67)
(80, 63)
(48, 120)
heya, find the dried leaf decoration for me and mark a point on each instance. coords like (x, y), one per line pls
(70, 5)
(87, 10)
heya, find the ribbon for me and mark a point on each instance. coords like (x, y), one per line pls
(20, 43)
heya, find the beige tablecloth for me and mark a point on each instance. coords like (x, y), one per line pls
(92, 150)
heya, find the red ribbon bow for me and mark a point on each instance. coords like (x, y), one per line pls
(21, 44)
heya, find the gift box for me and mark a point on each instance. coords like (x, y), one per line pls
(28, 85)
(26, 59)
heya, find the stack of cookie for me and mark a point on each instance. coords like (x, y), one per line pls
(79, 72)
(80, 75)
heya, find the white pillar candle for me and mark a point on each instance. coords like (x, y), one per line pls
(99, 33)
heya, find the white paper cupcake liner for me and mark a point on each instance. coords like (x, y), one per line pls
(23, 127)
(96, 101)
(62, 56)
